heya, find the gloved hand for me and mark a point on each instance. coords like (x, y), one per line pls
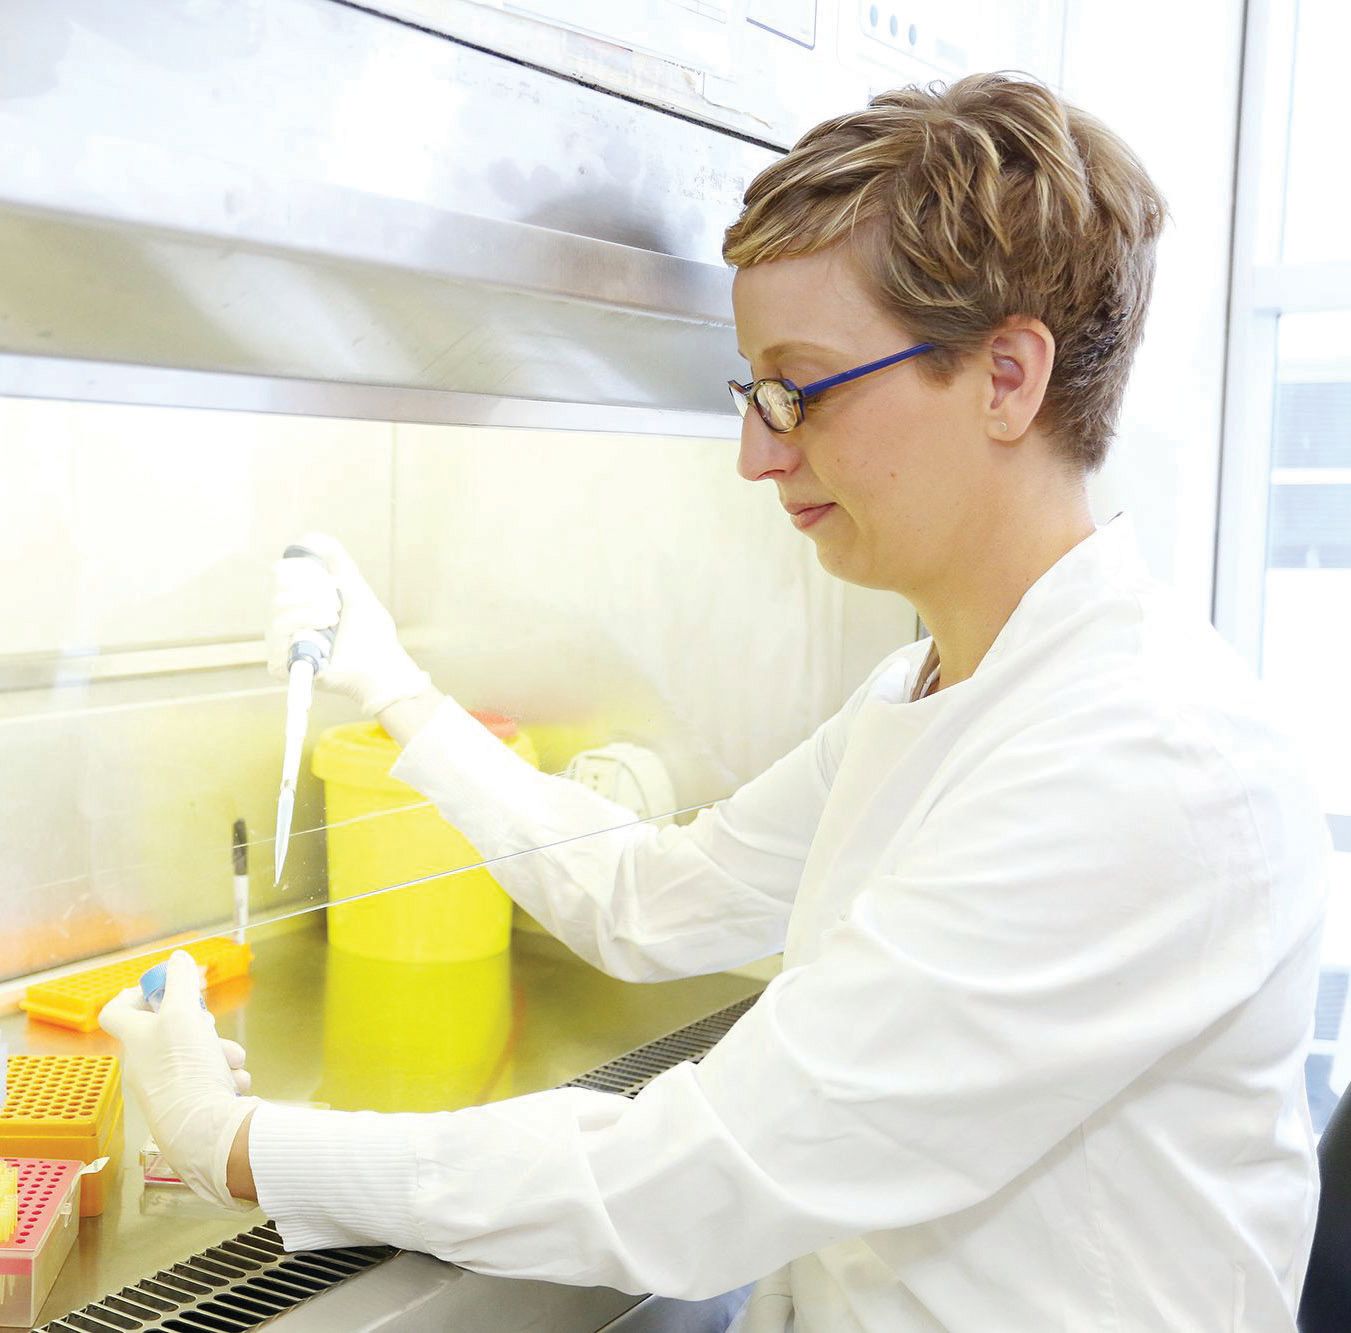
(367, 664)
(235, 1056)
(181, 1075)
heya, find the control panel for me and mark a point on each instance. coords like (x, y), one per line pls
(764, 69)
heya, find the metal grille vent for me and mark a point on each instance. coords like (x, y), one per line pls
(631, 1073)
(238, 1284)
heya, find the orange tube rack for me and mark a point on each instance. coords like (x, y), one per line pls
(67, 1107)
(75, 1001)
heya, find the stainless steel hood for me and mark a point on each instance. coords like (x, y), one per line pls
(299, 189)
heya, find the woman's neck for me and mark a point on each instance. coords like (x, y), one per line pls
(977, 596)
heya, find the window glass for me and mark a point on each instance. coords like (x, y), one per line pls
(1318, 188)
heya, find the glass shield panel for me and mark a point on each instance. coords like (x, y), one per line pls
(579, 591)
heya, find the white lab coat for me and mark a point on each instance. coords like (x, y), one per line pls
(1034, 1061)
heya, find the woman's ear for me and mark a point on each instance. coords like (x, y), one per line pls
(1022, 352)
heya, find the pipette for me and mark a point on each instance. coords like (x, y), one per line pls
(307, 655)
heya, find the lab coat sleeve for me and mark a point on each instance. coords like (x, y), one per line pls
(639, 902)
(1085, 901)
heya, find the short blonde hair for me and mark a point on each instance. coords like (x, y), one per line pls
(971, 204)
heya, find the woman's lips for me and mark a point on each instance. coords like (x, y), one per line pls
(804, 518)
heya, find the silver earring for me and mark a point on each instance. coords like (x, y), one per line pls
(1003, 426)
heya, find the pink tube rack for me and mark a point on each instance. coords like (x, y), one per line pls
(49, 1219)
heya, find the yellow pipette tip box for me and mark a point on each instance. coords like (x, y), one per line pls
(75, 1001)
(67, 1107)
(9, 1202)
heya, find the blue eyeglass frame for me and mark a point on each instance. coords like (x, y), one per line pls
(744, 395)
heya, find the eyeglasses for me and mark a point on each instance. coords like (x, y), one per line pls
(782, 405)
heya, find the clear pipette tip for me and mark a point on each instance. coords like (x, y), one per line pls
(286, 804)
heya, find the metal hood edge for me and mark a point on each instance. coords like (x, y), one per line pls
(298, 190)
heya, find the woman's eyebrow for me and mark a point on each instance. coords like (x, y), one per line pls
(793, 345)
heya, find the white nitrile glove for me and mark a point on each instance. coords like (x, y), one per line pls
(367, 663)
(181, 1075)
(235, 1056)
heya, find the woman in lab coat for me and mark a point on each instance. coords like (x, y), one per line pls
(1048, 887)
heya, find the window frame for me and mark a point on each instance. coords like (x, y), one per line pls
(1262, 289)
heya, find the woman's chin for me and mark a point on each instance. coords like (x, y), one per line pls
(835, 558)
(847, 563)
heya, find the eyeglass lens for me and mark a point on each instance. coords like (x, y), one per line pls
(778, 404)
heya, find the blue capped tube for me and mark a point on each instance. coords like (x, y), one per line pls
(152, 986)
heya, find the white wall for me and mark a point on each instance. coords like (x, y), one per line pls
(555, 575)
(1165, 77)
(126, 527)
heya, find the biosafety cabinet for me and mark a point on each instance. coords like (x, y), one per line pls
(441, 278)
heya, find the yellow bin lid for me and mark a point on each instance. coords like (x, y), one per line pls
(360, 754)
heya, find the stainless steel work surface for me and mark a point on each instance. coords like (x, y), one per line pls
(412, 1293)
(321, 1026)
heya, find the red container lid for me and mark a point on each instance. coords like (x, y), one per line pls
(501, 726)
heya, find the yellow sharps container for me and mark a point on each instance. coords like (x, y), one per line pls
(380, 833)
(416, 1036)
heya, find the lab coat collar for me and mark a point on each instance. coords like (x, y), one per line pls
(1107, 560)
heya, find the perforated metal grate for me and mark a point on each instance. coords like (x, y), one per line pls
(631, 1073)
(242, 1283)
(237, 1285)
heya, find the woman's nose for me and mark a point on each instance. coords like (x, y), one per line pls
(764, 453)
